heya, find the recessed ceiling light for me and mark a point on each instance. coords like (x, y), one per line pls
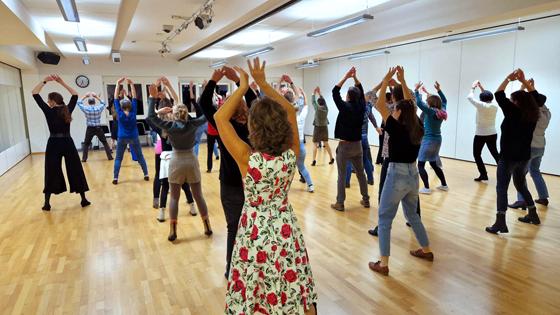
(80, 44)
(216, 53)
(93, 49)
(89, 28)
(69, 11)
(256, 37)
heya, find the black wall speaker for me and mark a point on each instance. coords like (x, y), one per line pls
(48, 58)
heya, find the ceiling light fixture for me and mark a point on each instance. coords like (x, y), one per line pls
(307, 65)
(341, 25)
(68, 9)
(202, 18)
(85, 60)
(483, 34)
(80, 44)
(257, 52)
(218, 64)
(369, 54)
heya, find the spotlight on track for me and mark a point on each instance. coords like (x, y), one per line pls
(204, 18)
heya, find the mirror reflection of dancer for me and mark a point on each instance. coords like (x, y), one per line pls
(60, 144)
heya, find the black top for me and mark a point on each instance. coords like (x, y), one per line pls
(56, 123)
(401, 149)
(517, 134)
(350, 116)
(229, 170)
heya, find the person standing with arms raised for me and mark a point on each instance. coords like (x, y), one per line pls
(93, 113)
(60, 144)
(349, 131)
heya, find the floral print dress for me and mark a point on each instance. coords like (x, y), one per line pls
(270, 271)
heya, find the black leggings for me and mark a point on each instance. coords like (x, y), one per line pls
(161, 187)
(211, 141)
(424, 174)
(478, 145)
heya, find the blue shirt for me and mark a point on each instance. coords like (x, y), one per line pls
(432, 125)
(127, 123)
(93, 113)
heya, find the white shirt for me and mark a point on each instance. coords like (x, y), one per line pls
(301, 117)
(485, 116)
(539, 140)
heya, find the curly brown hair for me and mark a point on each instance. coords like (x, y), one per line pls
(269, 129)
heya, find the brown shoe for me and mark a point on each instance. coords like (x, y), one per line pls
(420, 254)
(378, 268)
(364, 203)
(338, 206)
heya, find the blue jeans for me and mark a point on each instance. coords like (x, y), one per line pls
(535, 171)
(506, 170)
(401, 184)
(366, 157)
(134, 147)
(301, 164)
(198, 137)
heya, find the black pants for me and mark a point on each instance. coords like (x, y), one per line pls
(478, 145)
(382, 177)
(506, 171)
(211, 141)
(424, 174)
(232, 198)
(161, 187)
(58, 148)
(379, 159)
(98, 132)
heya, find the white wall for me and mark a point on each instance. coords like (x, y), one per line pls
(101, 72)
(456, 66)
(14, 145)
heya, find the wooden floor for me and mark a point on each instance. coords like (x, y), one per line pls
(114, 258)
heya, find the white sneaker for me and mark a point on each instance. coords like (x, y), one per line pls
(310, 188)
(161, 215)
(442, 187)
(193, 209)
(425, 191)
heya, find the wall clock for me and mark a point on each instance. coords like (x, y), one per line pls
(82, 81)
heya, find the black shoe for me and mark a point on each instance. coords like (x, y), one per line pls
(348, 185)
(172, 232)
(115, 181)
(373, 232)
(481, 178)
(110, 158)
(217, 158)
(532, 217)
(518, 205)
(543, 202)
(301, 180)
(499, 226)
(370, 182)
(364, 203)
(85, 203)
(146, 178)
(46, 207)
(408, 224)
(314, 163)
(83, 161)
(331, 162)
(208, 171)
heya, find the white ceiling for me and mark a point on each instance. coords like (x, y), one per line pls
(395, 21)
(97, 24)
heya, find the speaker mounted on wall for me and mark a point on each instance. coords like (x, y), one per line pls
(48, 58)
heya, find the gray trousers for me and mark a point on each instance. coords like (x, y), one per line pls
(350, 152)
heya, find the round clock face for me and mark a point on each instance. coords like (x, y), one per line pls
(82, 81)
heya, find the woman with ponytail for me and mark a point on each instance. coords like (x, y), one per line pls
(401, 183)
(60, 144)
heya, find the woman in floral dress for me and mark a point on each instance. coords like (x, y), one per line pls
(270, 272)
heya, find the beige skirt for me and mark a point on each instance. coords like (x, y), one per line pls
(320, 133)
(184, 168)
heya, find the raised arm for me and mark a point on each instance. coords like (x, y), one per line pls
(132, 88)
(296, 89)
(238, 149)
(170, 88)
(511, 77)
(339, 102)
(476, 103)
(400, 76)
(59, 80)
(381, 104)
(118, 88)
(206, 104)
(419, 102)
(152, 116)
(441, 95)
(37, 89)
(258, 73)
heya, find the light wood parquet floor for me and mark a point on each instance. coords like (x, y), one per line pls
(114, 258)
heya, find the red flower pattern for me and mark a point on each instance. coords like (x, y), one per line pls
(261, 223)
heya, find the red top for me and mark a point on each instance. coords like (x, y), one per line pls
(212, 131)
